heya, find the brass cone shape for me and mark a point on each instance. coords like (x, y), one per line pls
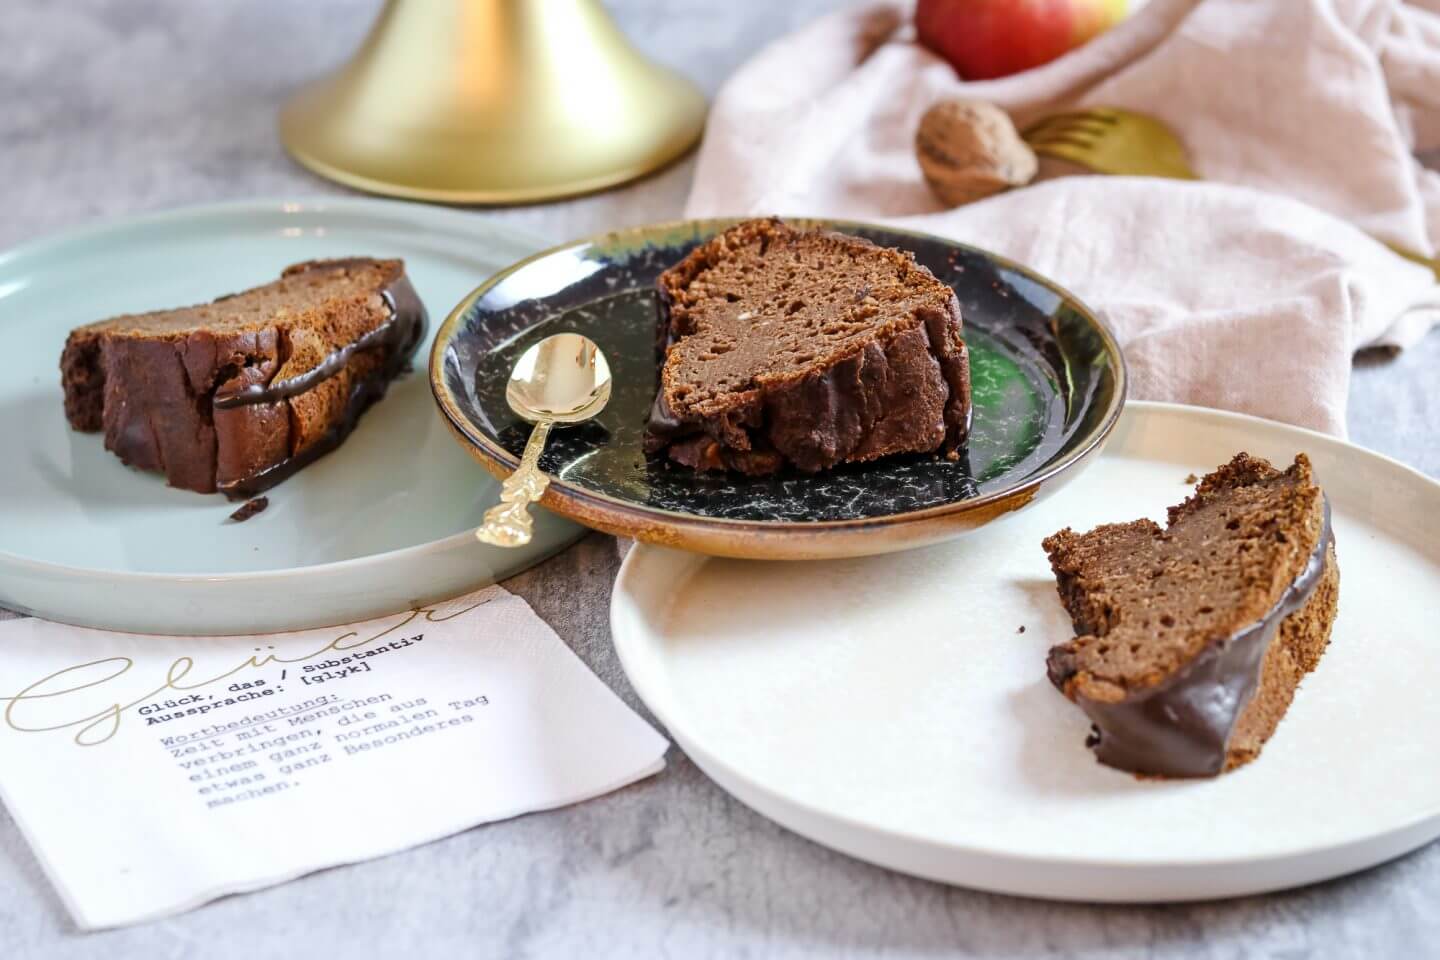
(492, 101)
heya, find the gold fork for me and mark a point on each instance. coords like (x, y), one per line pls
(1125, 143)
(1117, 142)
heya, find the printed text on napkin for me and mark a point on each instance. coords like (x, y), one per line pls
(151, 774)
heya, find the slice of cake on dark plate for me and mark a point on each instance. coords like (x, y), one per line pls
(238, 394)
(1191, 640)
(782, 347)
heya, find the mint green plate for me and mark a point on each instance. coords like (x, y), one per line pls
(378, 525)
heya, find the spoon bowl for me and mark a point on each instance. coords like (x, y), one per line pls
(563, 378)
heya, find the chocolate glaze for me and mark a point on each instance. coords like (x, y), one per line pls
(398, 336)
(400, 333)
(362, 395)
(1181, 726)
(663, 426)
(827, 417)
(249, 509)
(688, 442)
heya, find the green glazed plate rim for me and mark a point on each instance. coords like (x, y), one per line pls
(560, 490)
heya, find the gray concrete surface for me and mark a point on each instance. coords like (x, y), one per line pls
(113, 108)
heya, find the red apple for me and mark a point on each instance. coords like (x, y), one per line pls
(985, 39)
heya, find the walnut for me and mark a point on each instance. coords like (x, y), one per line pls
(969, 150)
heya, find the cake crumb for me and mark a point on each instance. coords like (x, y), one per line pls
(1192, 479)
(248, 509)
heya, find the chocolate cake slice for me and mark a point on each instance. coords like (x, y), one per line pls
(238, 394)
(804, 348)
(1191, 640)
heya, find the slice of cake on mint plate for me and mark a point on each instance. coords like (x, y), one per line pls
(805, 349)
(1192, 639)
(238, 394)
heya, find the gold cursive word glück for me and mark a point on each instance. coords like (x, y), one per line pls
(96, 728)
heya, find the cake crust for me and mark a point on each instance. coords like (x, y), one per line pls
(238, 394)
(1191, 639)
(783, 347)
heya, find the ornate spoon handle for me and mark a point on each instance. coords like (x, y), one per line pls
(508, 523)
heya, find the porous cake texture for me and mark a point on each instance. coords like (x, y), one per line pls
(1192, 638)
(782, 347)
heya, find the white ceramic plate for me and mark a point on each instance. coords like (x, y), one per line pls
(889, 707)
(374, 527)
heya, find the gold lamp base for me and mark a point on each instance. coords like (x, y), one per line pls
(492, 101)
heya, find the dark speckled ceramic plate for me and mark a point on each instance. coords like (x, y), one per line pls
(1048, 382)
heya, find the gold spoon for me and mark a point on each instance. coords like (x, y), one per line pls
(562, 379)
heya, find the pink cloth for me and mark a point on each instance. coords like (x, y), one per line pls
(1249, 291)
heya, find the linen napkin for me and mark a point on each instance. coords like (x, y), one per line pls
(152, 774)
(1249, 291)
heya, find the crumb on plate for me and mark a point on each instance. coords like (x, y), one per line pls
(248, 509)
